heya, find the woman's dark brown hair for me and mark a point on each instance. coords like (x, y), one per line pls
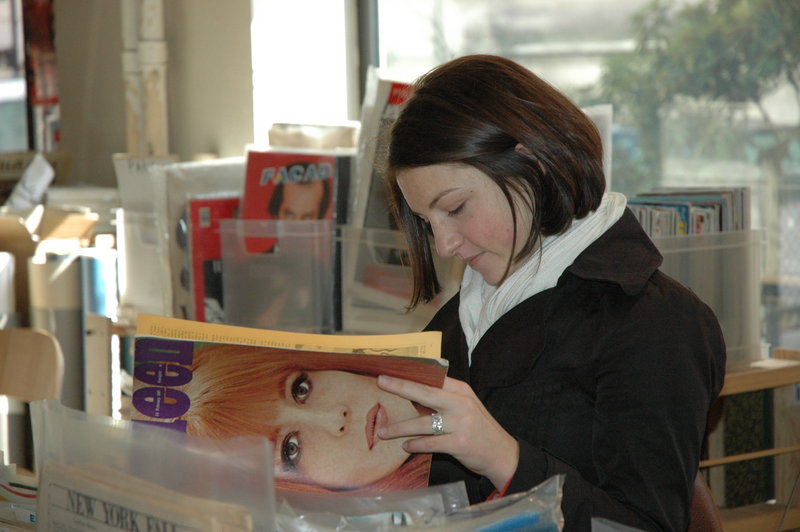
(497, 116)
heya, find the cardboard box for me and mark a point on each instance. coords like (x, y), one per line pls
(21, 233)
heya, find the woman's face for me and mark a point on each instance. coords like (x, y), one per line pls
(327, 429)
(468, 214)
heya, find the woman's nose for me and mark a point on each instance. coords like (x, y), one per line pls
(447, 240)
(335, 419)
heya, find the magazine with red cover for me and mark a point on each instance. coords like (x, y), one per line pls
(321, 410)
(294, 185)
(205, 214)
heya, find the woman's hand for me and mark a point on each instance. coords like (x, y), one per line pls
(471, 435)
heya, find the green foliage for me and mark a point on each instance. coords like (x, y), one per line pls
(731, 51)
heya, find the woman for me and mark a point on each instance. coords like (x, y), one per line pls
(569, 351)
(320, 410)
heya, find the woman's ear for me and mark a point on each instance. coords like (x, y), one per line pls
(519, 148)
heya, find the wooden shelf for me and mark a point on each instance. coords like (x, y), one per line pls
(761, 375)
(759, 517)
(748, 456)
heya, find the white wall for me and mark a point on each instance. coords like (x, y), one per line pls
(209, 81)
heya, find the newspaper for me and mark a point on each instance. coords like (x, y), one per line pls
(98, 498)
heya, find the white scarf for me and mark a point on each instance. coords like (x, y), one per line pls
(482, 304)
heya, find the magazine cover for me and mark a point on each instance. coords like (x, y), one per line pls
(296, 186)
(320, 409)
(205, 250)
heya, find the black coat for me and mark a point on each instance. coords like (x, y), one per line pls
(607, 377)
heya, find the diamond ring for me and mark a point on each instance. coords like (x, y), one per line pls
(437, 424)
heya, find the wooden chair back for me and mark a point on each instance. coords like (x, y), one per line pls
(31, 364)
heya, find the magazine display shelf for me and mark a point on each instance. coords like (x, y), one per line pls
(377, 282)
(143, 284)
(289, 287)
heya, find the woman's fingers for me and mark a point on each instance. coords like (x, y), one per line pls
(468, 431)
(418, 426)
(430, 396)
(413, 391)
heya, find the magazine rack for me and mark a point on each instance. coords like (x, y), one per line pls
(291, 287)
(377, 283)
(143, 285)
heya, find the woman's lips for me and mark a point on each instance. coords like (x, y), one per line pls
(472, 261)
(376, 418)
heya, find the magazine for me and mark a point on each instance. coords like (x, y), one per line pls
(205, 252)
(643, 207)
(315, 397)
(376, 279)
(185, 183)
(713, 209)
(286, 243)
(295, 185)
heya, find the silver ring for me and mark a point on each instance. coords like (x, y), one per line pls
(437, 424)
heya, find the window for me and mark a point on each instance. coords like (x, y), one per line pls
(303, 66)
(731, 118)
(13, 107)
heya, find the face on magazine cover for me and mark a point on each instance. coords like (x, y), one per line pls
(327, 429)
(302, 201)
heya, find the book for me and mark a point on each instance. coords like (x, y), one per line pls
(314, 396)
(383, 100)
(146, 277)
(292, 287)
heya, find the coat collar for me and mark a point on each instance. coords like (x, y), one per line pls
(625, 240)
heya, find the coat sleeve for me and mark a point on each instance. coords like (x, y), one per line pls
(659, 373)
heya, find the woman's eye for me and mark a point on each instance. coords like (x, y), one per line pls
(290, 450)
(457, 210)
(301, 388)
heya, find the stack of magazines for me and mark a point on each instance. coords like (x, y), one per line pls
(692, 210)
